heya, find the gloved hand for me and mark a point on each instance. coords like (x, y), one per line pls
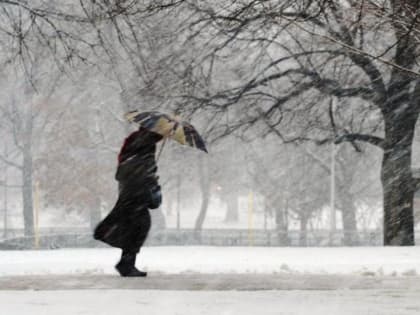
(155, 198)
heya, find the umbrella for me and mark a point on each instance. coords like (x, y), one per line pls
(168, 126)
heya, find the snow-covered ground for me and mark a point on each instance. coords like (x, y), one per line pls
(213, 280)
(152, 302)
(399, 261)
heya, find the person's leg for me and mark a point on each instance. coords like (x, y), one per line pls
(135, 240)
(127, 265)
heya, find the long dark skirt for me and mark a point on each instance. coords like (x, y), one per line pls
(126, 226)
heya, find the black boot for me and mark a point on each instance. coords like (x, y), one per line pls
(126, 266)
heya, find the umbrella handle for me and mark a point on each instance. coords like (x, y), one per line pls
(161, 149)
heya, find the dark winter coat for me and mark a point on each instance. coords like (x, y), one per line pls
(128, 224)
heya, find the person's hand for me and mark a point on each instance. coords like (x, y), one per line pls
(155, 197)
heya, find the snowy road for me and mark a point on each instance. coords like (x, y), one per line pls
(170, 302)
(213, 282)
(205, 294)
(208, 294)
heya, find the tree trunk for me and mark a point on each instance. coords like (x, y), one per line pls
(303, 236)
(349, 220)
(95, 204)
(27, 180)
(397, 180)
(281, 221)
(5, 195)
(205, 194)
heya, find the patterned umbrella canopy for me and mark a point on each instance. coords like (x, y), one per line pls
(168, 126)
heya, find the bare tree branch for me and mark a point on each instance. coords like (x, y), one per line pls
(377, 141)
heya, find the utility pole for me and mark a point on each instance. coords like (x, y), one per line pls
(178, 203)
(36, 214)
(332, 196)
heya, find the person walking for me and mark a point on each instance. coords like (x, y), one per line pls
(128, 224)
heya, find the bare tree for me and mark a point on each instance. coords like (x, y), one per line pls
(272, 65)
(285, 54)
(25, 117)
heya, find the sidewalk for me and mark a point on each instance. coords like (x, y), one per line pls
(369, 261)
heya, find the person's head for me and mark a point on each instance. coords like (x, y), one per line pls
(148, 137)
(141, 139)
